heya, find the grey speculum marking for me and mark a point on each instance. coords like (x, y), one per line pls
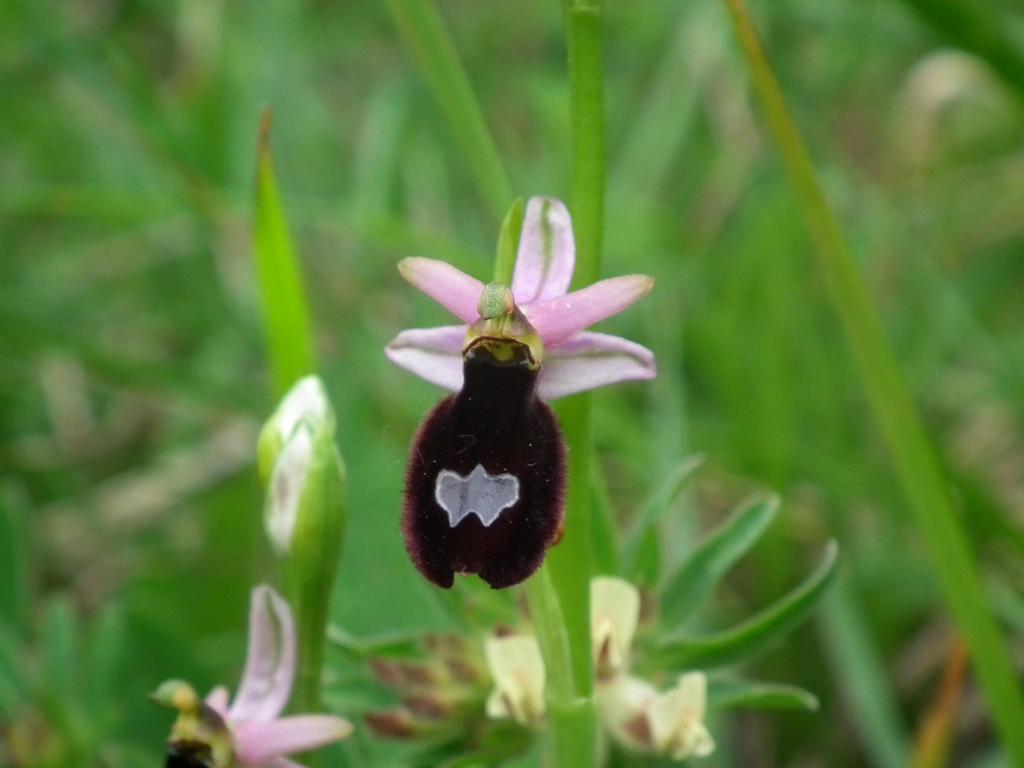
(478, 493)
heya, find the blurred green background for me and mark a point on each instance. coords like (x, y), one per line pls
(133, 373)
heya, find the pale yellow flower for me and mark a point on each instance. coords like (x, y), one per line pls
(517, 668)
(614, 613)
(669, 723)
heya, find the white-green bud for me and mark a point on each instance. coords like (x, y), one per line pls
(306, 402)
(304, 515)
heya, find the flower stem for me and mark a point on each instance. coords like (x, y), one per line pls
(571, 561)
(572, 717)
(893, 408)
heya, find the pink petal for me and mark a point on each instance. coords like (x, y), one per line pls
(547, 252)
(270, 665)
(452, 289)
(558, 319)
(217, 700)
(590, 360)
(259, 743)
(434, 354)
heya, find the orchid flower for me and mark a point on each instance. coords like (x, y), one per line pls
(575, 360)
(249, 732)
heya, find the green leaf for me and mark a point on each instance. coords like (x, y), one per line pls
(755, 634)
(425, 36)
(730, 693)
(283, 295)
(705, 567)
(401, 645)
(645, 570)
(658, 504)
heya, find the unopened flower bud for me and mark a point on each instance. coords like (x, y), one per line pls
(304, 515)
(298, 456)
(305, 402)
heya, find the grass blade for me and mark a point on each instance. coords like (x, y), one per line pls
(753, 635)
(893, 408)
(700, 573)
(426, 37)
(285, 309)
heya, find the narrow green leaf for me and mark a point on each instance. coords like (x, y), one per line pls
(893, 407)
(705, 567)
(401, 645)
(645, 568)
(755, 634)
(428, 42)
(283, 295)
(658, 504)
(508, 242)
(730, 693)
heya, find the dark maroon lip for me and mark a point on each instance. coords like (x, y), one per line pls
(493, 439)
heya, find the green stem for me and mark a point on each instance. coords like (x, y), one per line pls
(566, 586)
(571, 564)
(893, 409)
(585, 20)
(571, 716)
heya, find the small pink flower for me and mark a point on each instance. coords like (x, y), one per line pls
(575, 360)
(256, 734)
